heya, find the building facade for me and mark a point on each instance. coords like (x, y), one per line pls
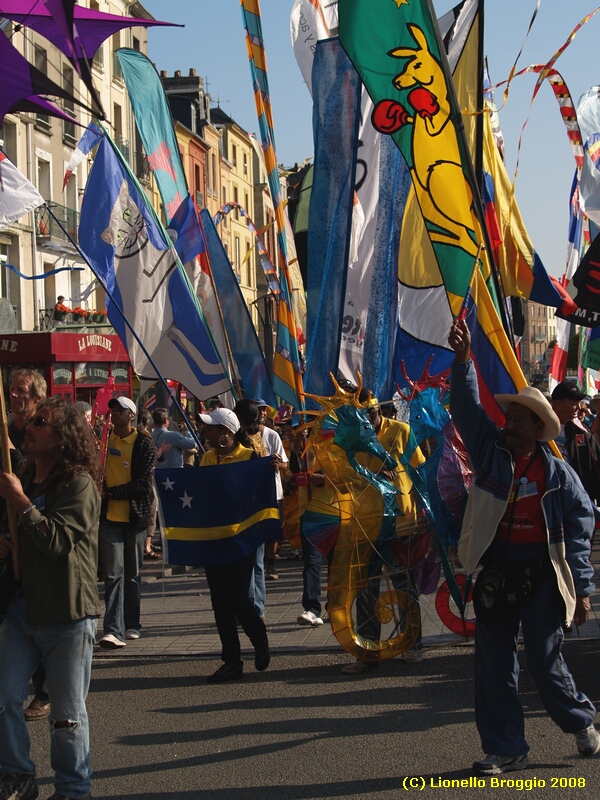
(41, 146)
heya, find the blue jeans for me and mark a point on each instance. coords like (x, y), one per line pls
(65, 650)
(498, 711)
(258, 588)
(121, 554)
(311, 576)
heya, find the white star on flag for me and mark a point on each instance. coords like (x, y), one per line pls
(186, 500)
(168, 484)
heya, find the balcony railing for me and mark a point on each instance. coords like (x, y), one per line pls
(48, 226)
(50, 318)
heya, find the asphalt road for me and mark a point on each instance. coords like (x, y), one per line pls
(302, 730)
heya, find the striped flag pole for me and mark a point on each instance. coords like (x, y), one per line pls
(287, 376)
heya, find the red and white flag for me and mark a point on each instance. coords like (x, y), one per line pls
(17, 194)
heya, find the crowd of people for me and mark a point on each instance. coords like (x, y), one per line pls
(527, 531)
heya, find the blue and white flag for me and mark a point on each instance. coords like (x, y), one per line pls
(91, 137)
(129, 251)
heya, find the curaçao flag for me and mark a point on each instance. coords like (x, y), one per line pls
(215, 515)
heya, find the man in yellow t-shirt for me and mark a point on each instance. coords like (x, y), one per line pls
(127, 497)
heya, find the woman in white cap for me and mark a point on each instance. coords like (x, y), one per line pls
(229, 583)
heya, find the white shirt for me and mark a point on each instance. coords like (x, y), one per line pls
(274, 447)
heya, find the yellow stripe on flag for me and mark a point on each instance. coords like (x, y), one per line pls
(221, 531)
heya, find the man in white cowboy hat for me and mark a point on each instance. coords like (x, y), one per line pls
(528, 522)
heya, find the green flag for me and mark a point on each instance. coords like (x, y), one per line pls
(394, 46)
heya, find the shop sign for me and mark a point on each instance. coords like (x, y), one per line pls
(90, 372)
(62, 374)
(94, 340)
(120, 373)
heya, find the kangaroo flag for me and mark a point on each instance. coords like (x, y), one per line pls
(17, 194)
(215, 515)
(130, 253)
(396, 50)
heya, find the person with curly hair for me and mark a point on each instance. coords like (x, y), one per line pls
(52, 615)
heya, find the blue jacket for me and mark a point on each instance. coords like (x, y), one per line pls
(567, 509)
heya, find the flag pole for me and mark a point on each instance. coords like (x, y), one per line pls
(110, 295)
(7, 467)
(470, 174)
(236, 377)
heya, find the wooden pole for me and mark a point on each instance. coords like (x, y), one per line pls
(7, 466)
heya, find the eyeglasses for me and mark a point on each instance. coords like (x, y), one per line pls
(40, 422)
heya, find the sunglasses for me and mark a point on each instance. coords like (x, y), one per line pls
(40, 422)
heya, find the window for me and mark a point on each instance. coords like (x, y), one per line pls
(4, 282)
(237, 255)
(8, 140)
(135, 43)
(207, 170)
(115, 45)
(75, 287)
(69, 106)
(234, 155)
(247, 205)
(249, 280)
(41, 63)
(236, 200)
(98, 61)
(214, 173)
(43, 179)
(245, 163)
(223, 202)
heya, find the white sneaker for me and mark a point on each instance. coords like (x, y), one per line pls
(308, 618)
(110, 642)
(588, 741)
(413, 657)
(132, 634)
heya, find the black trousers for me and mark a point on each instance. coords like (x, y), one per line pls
(229, 586)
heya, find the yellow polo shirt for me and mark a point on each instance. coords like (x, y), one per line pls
(118, 472)
(241, 453)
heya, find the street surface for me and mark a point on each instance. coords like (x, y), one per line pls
(302, 730)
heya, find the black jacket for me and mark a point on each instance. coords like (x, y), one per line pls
(583, 454)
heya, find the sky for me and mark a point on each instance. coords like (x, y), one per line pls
(213, 43)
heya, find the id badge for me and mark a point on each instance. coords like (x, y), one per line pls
(528, 490)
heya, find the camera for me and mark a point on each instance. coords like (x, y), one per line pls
(491, 582)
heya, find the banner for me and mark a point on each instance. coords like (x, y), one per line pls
(215, 515)
(132, 256)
